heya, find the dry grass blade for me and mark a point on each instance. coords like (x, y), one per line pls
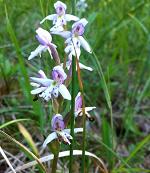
(28, 138)
(64, 154)
(8, 162)
(25, 149)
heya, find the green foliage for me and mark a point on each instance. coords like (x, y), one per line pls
(119, 33)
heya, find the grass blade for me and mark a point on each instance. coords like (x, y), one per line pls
(28, 138)
(137, 148)
(24, 148)
(12, 122)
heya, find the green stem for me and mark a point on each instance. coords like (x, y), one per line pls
(72, 111)
(72, 99)
(54, 165)
(83, 118)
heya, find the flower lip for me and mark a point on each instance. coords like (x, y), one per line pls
(57, 123)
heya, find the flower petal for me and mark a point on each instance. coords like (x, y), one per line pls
(76, 130)
(50, 138)
(49, 17)
(34, 84)
(82, 66)
(64, 34)
(87, 109)
(42, 74)
(83, 21)
(38, 90)
(70, 17)
(44, 35)
(44, 82)
(85, 44)
(64, 92)
(37, 51)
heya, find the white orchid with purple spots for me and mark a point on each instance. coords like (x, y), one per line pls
(45, 40)
(50, 88)
(60, 19)
(59, 131)
(74, 39)
(79, 109)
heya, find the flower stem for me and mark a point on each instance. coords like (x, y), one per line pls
(54, 164)
(83, 118)
(73, 86)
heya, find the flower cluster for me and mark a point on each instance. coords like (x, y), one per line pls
(54, 87)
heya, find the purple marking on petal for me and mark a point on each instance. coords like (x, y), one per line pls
(57, 122)
(58, 74)
(78, 102)
(40, 40)
(60, 10)
(78, 29)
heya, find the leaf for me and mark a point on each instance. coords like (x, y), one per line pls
(11, 122)
(28, 138)
(24, 148)
(137, 148)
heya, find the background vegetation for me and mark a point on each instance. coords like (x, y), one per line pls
(119, 33)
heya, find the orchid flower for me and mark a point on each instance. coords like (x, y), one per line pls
(50, 88)
(60, 18)
(74, 39)
(59, 131)
(44, 38)
(79, 109)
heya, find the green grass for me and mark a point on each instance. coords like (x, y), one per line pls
(119, 86)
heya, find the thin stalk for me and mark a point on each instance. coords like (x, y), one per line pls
(54, 165)
(72, 99)
(83, 118)
(72, 111)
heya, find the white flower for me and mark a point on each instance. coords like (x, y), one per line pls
(59, 131)
(60, 18)
(44, 38)
(47, 88)
(81, 66)
(79, 109)
(74, 39)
